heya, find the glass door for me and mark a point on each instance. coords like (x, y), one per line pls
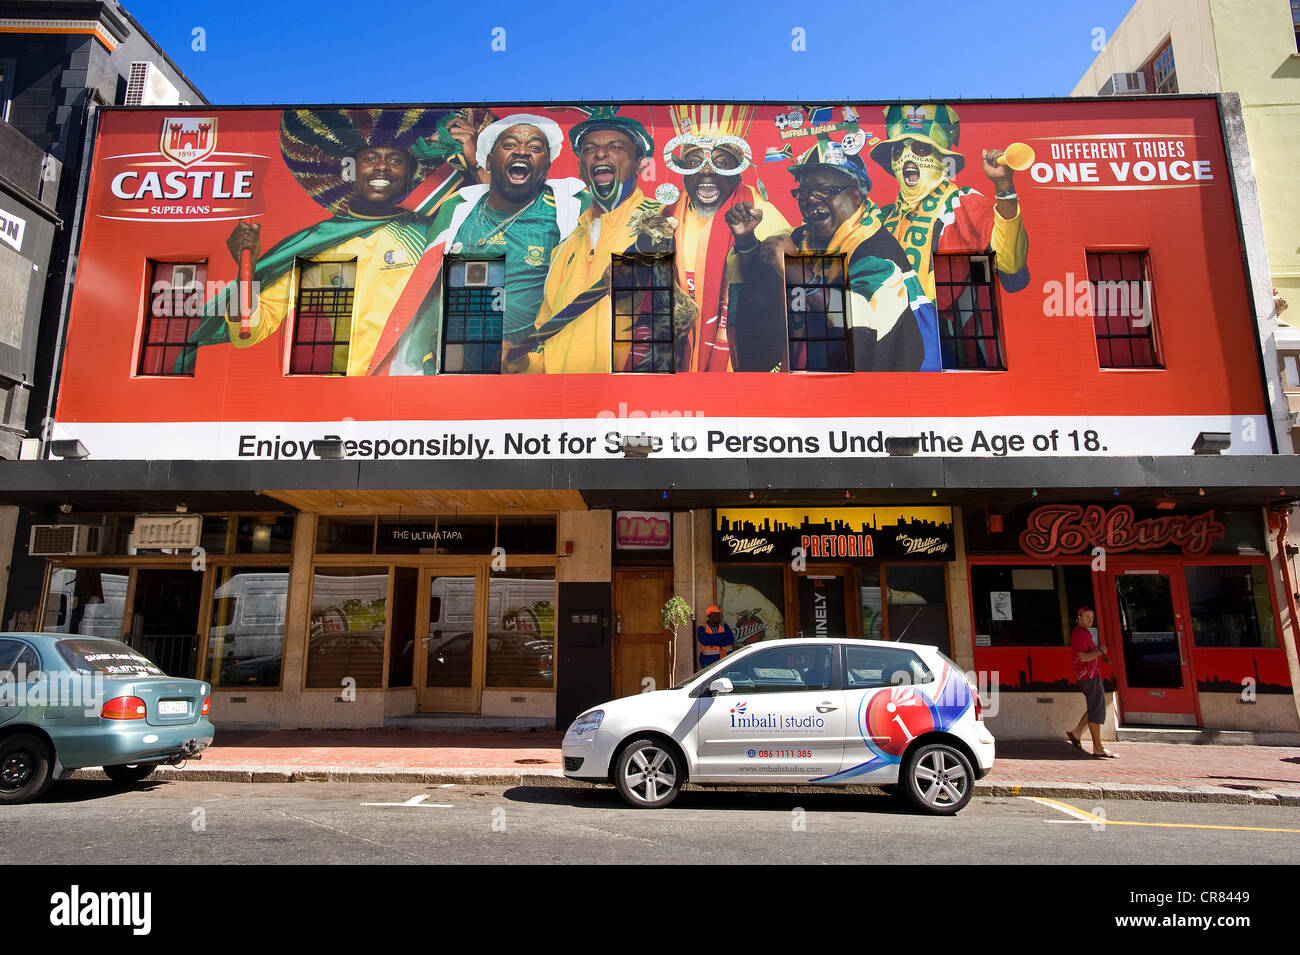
(450, 656)
(1148, 645)
(823, 609)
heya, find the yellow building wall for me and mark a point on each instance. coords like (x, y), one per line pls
(1258, 59)
(1239, 46)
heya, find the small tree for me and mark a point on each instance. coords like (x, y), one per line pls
(676, 613)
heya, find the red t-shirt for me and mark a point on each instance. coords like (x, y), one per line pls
(1081, 642)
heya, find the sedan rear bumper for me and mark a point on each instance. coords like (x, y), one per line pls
(116, 744)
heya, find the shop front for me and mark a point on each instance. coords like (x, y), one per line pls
(287, 615)
(864, 572)
(1185, 604)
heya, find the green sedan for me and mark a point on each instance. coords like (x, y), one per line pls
(67, 702)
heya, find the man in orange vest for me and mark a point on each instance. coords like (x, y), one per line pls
(714, 637)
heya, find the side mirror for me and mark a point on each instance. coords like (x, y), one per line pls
(721, 686)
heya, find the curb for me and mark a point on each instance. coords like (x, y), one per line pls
(1096, 792)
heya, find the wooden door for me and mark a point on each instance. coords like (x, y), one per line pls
(642, 647)
(450, 654)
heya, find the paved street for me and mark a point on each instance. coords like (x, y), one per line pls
(232, 823)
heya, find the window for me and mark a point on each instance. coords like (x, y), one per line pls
(175, 311)
(1295, 21)
(780, 670)
(472, 318)
(643, 314)
(6, 87)
(1164, 78)
(88, 601)
(17, 660)
(1123, 309)
(349, 621)
(1291, 368)
(752, 600)
(968, 315)
(917, 598)
(246, 639)
(323, 329)
(521, 628)
(868, 667)
(1230, 606)
(815, 313)
(1028, 606)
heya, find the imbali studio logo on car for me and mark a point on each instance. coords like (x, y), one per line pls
(78, 908)
(740, 720)
(208, 185)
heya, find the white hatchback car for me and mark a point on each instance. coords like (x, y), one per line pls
(784, 712)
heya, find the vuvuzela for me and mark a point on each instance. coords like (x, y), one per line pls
(1019, 156)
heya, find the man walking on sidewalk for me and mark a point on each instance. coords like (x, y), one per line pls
(1087, 673)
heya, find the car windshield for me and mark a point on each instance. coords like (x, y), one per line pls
(109, 657)
(699, 673)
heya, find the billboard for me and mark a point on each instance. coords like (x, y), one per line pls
(720, 279)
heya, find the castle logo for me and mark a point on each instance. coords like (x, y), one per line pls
(188, 139)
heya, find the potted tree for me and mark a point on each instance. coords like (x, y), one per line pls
(675, 613)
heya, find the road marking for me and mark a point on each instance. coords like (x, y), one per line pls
(417, 802)
(1081, 815)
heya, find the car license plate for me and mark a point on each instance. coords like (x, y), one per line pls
(173, 707)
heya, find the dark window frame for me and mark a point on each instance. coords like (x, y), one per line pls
(1101, 269)
(628, 301)
(161, 352)
(328, 305)
(805, 348)
(960, 350)
(484, 319)
(1162, 80)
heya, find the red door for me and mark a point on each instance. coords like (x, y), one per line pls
(1148, 638)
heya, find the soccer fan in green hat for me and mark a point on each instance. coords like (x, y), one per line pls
(933, 214)
(576, 330)
(889, 323)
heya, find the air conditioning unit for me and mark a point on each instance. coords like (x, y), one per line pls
(476, 273)
(146, 86)
(64, 540)
(1121, 83)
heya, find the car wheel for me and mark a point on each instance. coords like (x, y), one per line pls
(130, 773)
(938, 779)
(24, 768)
(648, 775)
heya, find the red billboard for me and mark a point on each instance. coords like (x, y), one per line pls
(1017, 278)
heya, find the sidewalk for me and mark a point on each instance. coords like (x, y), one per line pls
(1153, 771)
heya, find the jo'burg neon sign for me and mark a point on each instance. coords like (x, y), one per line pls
(1056, 529)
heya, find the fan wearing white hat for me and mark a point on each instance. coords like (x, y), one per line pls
(518, 215)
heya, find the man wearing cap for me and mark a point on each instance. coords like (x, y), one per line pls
(714, 637)
(518, 216)
(934, 215)
(890, 324)
(575, 328)
(710, 154)
(372, 243)
(1088, 656)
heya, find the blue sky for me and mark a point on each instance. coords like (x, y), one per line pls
(405, 51)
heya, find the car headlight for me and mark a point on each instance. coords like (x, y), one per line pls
(587, 723)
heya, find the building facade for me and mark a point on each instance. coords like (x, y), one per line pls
(368, 413)
(60, 61)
